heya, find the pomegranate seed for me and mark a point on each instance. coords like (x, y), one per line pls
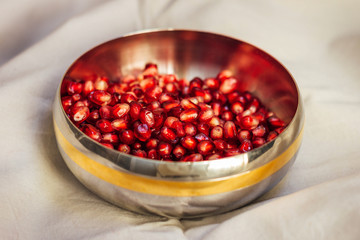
(190, 129)
(196, 83)
(168, 134)
(203, 128)
(217, 133)
(201, 137)
(106, 112)
(142, 132)
(67, 102)
(139, 153)
(215, 121)
(244, 135)
(124, 148)
(224, 74)
(104, 126)
(189, 115)
(206, 115)
(259, 131)
(188, 142)
(120, 124)
(152, 154)
(169, 122)
(248, 122)
(134, 111)
(237, 108)
(101, 84)
(245, 146)
(212, 83)
(148, 82)
(228, 85)
(159, 117)
(229, 130)
(100, 97)
(110, 138)
(152, 94)
(76, 97)
(137, 145)
(128, 97)
(79, 113)
(213, 156)
(168, 105)
(219, 97)
(164, 149)
(271, 136)
(146, 116)
(179, 128)
(275, 122)
(164, 97)
(195, 157)
(120, 110)
(176, 111)
(92, 132)
(187, 104)
(93, 116)
(231, 152)
(227, 115)
(127, 137)
(74, 87)
(88, 87)
(220, 144)
(216, 106)
(152, 143)
(205, 147)
(179, 151)
(257, 142)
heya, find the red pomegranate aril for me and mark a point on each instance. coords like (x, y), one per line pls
(171, 87)
(169, 78)
(237, 108)
(152, 94)
(211, 83)
(146, 116)
(275, 122)
(134, 111)
(196, 83)
(259, 131)
(179, 128)
(227, 115)
(244, 134)
(164, 149)
(169, 122)
(120, 110)
(203, 128)
(76, 97)
(189, 115)
(168, 105)
(195, 157)
(168, 134)
(258, 142)
(104, 126)
(152, 143)
(231, 152)
(205, 147)
(152, 154)
(79, 114)
(88, 87)
(188, 142)
(217, 133)
(259, 116)
(101, 84)
(254, 105)
(246, 146)
(213, 156)
(187, 104)
(271, 136)
(92, 132)
(279, 130)
(74, 87)
(201, 137)
(215, 121)
(142, 132)
(228, 85)
(159, 116)
(216, 106)
(164, 97)
(224, 74)
(100, 97)
(128, 97)
(248, 122)
(229, 130)
(137, 145)
(220, 144)
(106, 112)
(93, 116)
(120, 124)
(127, 137)
(139, 153)
(110, 138)
(67, 102)
(109, 145)
(206, 115)
(148, 82)
(124, 148)
(190, 129)
(179, 151)
(176, 111)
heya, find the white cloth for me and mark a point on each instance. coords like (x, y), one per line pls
(318, 41)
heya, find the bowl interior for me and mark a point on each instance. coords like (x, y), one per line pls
(190, 54)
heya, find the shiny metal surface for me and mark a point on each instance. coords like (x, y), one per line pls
(183, 189)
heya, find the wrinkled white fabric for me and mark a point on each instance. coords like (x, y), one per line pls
(317, 41)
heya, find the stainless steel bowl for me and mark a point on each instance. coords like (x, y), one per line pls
(184, 189)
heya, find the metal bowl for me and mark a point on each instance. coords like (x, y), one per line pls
(184, 189)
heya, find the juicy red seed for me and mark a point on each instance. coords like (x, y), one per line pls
(216, 106)
(246, 146)
(204, 128)
(76, 97)
(152, 143)
(106, 112)
(219, 97)
(79, 114)
(272, 135)
(259, 131)
(227, 115)
(93, 116)
(229, 130)
(109, 145)
(171, 87)
(74, 87)
(139, 153)
(120, 124)
(190, 129)
(146, 116)
(189, 115)
(205, 147)
(257, 142)
(188, 142)
(220, 144)
(195, 157)
(101, 84)
(248, 122)
(124, 148)
(137, 145)
(88, 87)
(213, 156)
(168, 134)
(279, 130)
(142, 132)
(127, 137)
(176, 111)
(217, 133)
(206, 115)
(254, 105)
(275, 122)
(154, 105)
(228, 85)
(169, 122)
(148, 82)
(92, 132)
(152, 154)
(212, 83)
(134, 112)
(168, 105)
(187, 104)
(120, 110)
(111, 138)
(201, 137)
(179, 128)
(164, 97)
(159, 116)
(100, 97)
(164, 149)
(128, 97)
(237, 108)
(215, 121)
(196, 83)
(244, 135)
(231, 152)
(104, 126)
(152, 94)
(67, 102)
(179, 151)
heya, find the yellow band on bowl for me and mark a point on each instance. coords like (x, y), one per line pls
(175, 188)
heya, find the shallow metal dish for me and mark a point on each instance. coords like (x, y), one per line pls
(184, 189)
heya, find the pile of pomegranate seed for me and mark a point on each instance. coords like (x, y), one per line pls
(159, 116)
